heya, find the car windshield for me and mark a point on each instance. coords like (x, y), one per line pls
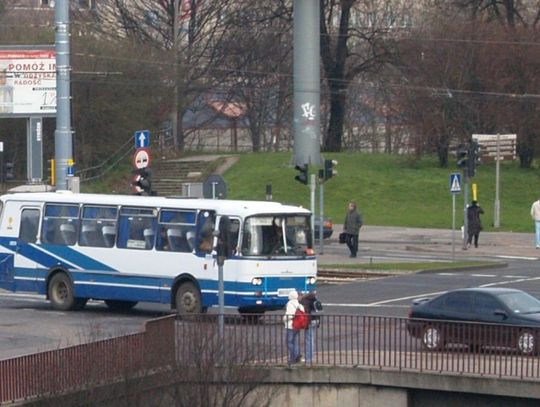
(276, 235)
(521, 303)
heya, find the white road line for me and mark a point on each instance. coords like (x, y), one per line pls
(516, 257)
(446, 274)
(483, 275)
(365, 306)
(508, 276)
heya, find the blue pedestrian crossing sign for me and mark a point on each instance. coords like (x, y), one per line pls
(455, 183)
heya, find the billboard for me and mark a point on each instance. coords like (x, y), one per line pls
(27, 81)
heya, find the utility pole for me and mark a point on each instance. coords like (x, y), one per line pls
(307, 83)
(174, 117)
(63, 143)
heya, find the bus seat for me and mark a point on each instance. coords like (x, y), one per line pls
(90, 236)
(190, 238)
(149, 237)
(67, 234)
(177, 241)
(109, 235)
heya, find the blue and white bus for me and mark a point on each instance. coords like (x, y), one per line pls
(124, 249)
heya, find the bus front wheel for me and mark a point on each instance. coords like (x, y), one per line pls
(61, 293)
(188, 299)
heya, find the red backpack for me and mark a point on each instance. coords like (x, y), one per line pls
(300, 320)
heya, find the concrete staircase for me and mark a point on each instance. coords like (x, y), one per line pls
(169, 175)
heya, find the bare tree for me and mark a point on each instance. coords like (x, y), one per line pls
(355, 41)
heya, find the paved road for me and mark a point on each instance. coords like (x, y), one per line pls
(28, 325)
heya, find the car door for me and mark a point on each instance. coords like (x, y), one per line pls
(490, 313)
(458, 308)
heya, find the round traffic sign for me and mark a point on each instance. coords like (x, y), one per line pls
(141, 159)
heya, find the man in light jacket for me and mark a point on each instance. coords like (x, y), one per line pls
(535, 214)
(293, 340)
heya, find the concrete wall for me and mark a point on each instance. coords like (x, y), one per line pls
(323, 387)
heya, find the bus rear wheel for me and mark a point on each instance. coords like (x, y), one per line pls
(188, 299)
(62, 294)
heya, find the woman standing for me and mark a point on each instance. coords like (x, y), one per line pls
(474, 225)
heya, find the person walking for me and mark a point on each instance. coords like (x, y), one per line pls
(309, 302)
(351, 227)
(474, 224)
(535, 214)
(292, 335)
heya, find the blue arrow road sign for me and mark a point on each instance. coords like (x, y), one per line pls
(142, 139)
(455, 183)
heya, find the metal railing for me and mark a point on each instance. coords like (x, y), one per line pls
(173, 343)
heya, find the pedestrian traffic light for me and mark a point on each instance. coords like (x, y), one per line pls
(329, 170)
(142, 181)
(474, 158)
(462, 156)
(8, 172)
(304, 174)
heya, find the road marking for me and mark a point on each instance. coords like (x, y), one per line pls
(365, 305)
(483, 275)
(446, 274)
(517, 257)
(508, 276)
(521, 280)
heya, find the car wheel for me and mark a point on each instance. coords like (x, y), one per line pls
(188, 299)
(432, 338)
(526, 342)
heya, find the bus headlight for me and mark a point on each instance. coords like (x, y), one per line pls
(312, 280)
(257, 281)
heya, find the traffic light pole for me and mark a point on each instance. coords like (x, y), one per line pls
(465, 206)
(321, 218)
(312, 187)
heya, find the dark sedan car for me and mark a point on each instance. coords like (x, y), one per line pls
(477, 317)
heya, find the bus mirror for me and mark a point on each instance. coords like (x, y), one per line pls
(224, 241)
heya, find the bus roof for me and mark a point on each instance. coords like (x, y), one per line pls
(228, 207)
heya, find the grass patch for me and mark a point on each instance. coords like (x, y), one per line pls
(409, 266)
(391, 190)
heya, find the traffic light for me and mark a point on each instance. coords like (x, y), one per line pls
(304, 174)
(329, 170)
(142, 181)
(474, 158)
(462, 156)
(8, 172)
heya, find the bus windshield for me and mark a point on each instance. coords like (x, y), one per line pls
(276, 235)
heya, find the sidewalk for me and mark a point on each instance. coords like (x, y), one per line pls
(494, 245)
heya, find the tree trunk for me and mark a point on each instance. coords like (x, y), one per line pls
(334, 135)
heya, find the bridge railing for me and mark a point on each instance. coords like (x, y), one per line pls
(195, 345)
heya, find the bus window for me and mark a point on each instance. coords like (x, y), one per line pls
(283, 235)
(60, 224)
(234, 225)
(137, 228)
(98, 226)
(28, 230)
(176, 231)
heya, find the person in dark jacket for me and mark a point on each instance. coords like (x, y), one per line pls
(351, 226)
(474, 225)
(308, 302)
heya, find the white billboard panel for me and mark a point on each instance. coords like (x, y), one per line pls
(27, 82)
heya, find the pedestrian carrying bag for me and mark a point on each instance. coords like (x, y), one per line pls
(300, 320)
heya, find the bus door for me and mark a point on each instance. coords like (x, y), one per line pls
(25, 254)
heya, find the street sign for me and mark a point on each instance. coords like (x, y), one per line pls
(142, 139)
(455, 183)
(489, 144)
(141, 159)
(215, 187)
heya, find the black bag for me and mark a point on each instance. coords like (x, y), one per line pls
(343, 237)
(317, 305)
